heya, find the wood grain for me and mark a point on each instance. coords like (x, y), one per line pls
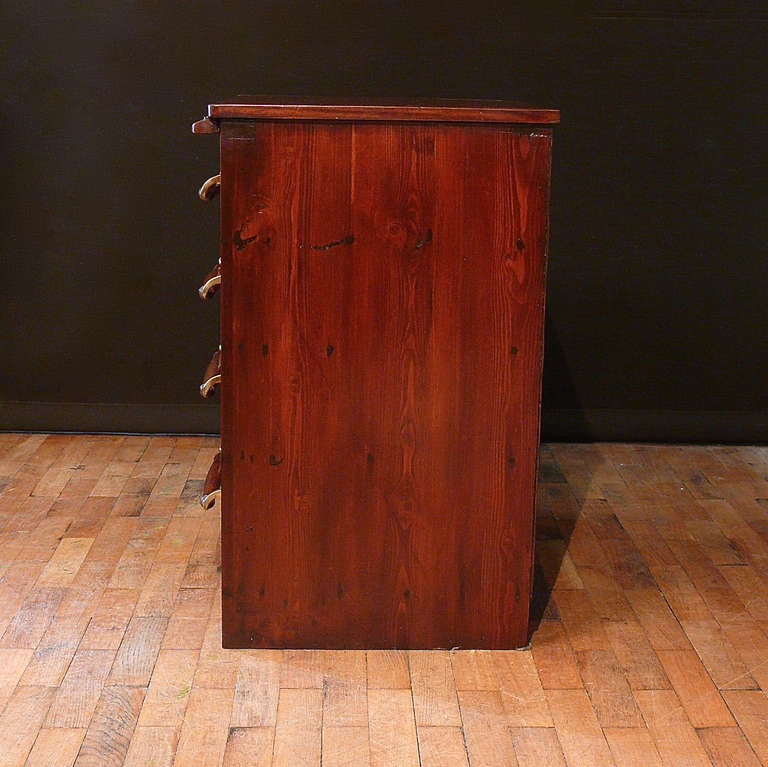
(750, 707)
(577, 728)
(168, 693)
(345, 702)
(442, 747)
(256, 693)
(203, 737)
(486, 728)
(668, 723)
(521, 692)
(474, 670)
(392, 729)
(382, 330)
(298, 732)
(138, 651)
(346, 747)
(109, 733)
(632, 747)
(20, 722)
(55, 747)
(697, 692)
(354, 708)
(80, 690)
(445, 110)
(249, 747)
(535, 746)
(154, 746)
(727, 747)
(434, 690)
(388, 669)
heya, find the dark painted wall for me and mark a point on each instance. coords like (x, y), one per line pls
(658, 277)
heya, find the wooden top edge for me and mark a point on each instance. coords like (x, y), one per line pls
(410, 110)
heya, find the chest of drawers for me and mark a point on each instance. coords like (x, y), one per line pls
(382, 276)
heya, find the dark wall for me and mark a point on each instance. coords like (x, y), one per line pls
(658, 270)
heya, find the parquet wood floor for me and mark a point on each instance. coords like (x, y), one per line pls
(651, 644)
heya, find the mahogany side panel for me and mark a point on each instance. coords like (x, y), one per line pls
(382, 314)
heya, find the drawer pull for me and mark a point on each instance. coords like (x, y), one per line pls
(212, 375)
(212, 484)
(210, 283)
(210, 188)
(206, 125)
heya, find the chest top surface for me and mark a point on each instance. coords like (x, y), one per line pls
(397, 110)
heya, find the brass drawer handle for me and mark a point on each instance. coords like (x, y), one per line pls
(212, 484)
(212, 375)
(210, 188)
(211, 283)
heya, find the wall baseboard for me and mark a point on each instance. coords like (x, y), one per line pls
(718, 426)
(97, 417)
(683, 426)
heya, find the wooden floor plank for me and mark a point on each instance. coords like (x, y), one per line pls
(19, 724)
(634, 652)
(257, 689)
(298, 732)
(345, 701)
(168, 693)
(392, 729)
(521, 692)
(727, 747)
(474, 670)
(695, 689)
(62, 567)
(485, 728)
(651, 650)
(442, 747)
(537, 746)
(13, 662)
(607, 686)
(750, 707)
(302, 669)
(434, 690)
(152, 747)
(79, 692)
(31, 621)
(346, 747)
(55, 747)
(554, 658)
(249, 747)
(632, 747)
(109, 733)
(673, 734)
(577, 728)
(138, 651)
(204, 734)
(388, 670)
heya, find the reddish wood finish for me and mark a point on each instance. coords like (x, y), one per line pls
(213, 476)
(211, 283)
(212, 375)
(205, 125)
(382, 315)
(443, 110)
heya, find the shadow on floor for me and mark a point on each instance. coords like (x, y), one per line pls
(553, 490)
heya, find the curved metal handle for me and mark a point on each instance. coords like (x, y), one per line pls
(212, 484)
(210, 188)
(212, 375)
(211, 283)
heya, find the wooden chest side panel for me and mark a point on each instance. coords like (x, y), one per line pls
(382, 308)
